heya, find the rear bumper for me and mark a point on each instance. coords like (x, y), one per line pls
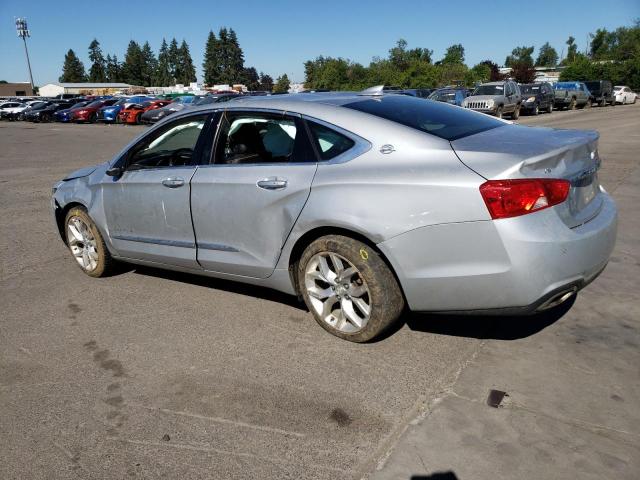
(508, 266)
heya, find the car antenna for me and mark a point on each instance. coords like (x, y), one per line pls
(376, 91)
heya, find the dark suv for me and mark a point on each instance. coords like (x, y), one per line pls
(537, 97)
(601, 92)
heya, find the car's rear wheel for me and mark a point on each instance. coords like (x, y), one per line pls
(572, 104)
(348, 288)
(86, 244)
(516, 113)
(550, 108)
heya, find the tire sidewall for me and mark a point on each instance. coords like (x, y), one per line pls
(387, 302)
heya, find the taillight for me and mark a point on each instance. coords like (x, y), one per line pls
(512, 198)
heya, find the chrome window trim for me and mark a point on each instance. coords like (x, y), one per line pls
(360, 146)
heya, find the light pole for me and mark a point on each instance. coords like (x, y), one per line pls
(23, 33)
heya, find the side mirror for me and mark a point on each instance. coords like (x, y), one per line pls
(115, 172)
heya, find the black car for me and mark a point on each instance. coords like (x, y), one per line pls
(537, 97)
(46, 114)
(20, 115)
(601, 92)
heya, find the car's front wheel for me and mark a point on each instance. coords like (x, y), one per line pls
(348, 288)
(86, 244)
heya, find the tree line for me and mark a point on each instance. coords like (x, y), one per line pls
(223, 64)
(611, 55)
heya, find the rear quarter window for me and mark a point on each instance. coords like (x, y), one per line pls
(435, 118)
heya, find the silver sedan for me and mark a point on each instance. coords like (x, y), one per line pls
(364, 205)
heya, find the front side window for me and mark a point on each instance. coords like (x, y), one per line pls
(173, 146)
(329, 143)
(256, 138)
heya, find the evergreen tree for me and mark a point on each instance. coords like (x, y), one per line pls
(282, 84)
(547, 56)
(236, 58)
(162, 77)
(133, 67)
(185, 71)
(222, 54)
(73, 69)
(97, 72)
(572, 50)
(211, 65)
(173, 55)
(266, 82)
(149, 65)
(251, 78)
(113, 69)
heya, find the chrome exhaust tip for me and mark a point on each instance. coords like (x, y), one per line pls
(558, 299)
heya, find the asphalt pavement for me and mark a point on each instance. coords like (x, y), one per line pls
(153, 374)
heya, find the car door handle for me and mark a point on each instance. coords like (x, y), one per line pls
(173, 182)
(272, 183)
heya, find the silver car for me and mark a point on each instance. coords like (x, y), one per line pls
(361, 204)
(496, 98)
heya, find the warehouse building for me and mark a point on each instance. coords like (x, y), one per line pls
(18, 89)
(55, 89)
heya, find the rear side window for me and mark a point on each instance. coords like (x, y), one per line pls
(329, 143)
(437, 118)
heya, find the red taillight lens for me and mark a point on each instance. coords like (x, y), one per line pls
(511, 198)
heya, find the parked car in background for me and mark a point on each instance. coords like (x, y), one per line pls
(153, 116)
(109, 113)
(133, 113)
(601, 92)
(66, 114)
(89, 113)
(418, 92)
(4, 106)
(11, 113)
(461, 231)
(32, 107)
(624, 94)
(453, 96)
(496, 98)
(571, 95)
(537, 97)
(46, 114)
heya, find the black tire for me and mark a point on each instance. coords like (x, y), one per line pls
(139, 118)
(603, 102)
(105, 263)
(536, 109)
(499, 112)
(92, 118)
(384, 295)
(516, 113)
(550, 107)
(572, 104)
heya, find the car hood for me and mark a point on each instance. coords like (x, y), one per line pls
(514, 151)
(83, 172)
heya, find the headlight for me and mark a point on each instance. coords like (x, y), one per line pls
(82, 112)
(490, 103)
(531, 99)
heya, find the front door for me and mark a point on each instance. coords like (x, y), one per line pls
(245, 203)
(147, 207)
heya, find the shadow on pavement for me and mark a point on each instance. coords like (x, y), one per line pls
(436, 476)
(224, 285)
(487, 327)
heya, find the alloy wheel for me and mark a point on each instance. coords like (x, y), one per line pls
(338, 292)
(82, 243)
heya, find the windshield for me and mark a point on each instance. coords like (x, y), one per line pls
(530, 88)
(435, 118)
(38, 105)
(95, 104)
(448, 96)
(592, 85)
(565, 86)
(205, 100)
(489, 90)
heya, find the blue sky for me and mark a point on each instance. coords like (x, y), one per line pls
(277, 36)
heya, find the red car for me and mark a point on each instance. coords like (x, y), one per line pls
(132, 113)
(89, 113)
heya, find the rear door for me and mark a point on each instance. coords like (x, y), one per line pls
(246, 201)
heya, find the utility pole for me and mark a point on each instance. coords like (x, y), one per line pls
(23, 33)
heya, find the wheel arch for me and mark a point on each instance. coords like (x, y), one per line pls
(310, 236)
(61, 213)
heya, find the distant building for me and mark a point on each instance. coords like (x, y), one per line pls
(55, 89)
(18, 89)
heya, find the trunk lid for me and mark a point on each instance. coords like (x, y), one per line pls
(516, 151)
